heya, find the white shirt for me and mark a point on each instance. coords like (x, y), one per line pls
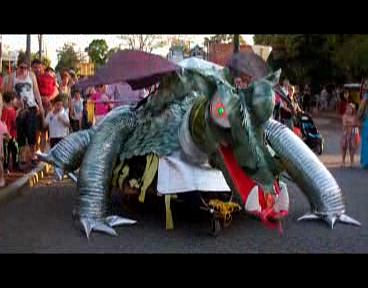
(57, 129)
(77, 107)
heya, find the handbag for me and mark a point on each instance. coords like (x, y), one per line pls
(356, 135)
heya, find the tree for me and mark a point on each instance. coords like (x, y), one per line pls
(303, 57)
(67, 58)
(98, 51)
(223, 38)
(143, 42)
(321, 58)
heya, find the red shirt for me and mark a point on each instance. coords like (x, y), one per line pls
(46, 84)
(8, 117)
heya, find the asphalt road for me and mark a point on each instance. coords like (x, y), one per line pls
(40, 222)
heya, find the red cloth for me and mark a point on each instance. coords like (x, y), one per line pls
(8, 117)
(46, 84)
(277, 97)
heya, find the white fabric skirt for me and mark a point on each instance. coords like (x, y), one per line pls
(175, 175)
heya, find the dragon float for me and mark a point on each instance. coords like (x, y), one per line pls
(196, 117)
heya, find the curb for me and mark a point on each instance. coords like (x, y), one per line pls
(28, 180)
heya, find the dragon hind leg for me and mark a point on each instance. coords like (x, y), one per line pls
(104, 225)
(330, 219)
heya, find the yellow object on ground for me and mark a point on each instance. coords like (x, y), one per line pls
(169, 219)
(225, 209)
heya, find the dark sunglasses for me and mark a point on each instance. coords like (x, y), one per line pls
(23, 67)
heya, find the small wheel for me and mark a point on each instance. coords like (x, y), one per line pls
(226, 223)
(319, 149)
(215, 227)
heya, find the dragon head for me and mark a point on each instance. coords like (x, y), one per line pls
(233, 127)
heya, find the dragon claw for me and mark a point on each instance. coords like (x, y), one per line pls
(43, 157)
(104, 225)
(331, 220)
(59, 172)
(73, 177)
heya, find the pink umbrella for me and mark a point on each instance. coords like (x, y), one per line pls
(139, 69)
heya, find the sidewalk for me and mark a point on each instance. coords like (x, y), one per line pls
(16, 182)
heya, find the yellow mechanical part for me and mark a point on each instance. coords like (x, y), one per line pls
(225, 209)
(148, 175)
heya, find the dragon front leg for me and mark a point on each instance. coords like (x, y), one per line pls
(308, 172)
(93, 203)
(67, 155)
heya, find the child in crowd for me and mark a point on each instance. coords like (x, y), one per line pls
(349, 139)
(10, 143)
(3, 133)
(58, 121)
(76, 110)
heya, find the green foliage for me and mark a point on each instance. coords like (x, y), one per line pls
(98, 51)
(67, 58)
(318, 58)
(223, 38)
(45, 60)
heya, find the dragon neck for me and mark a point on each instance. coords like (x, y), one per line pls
(197, 122)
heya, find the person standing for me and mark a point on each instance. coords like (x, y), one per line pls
(57, 121)
(348, 139)
(101, 100)
(24, 83)
(323, 100)
(363, 117)
(286, 113)
(73, 78)
(48, 90)
(76, 110)
(307, 95)
(64, 88)
(8, 116)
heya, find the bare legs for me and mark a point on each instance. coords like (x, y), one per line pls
(351, 147)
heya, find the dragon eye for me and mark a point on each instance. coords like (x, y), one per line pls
(218, 112)
(220, 109)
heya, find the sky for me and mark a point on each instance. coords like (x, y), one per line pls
(54, 42)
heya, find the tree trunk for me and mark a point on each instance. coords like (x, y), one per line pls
(28, 47)
(40, 47)
(236, 43)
